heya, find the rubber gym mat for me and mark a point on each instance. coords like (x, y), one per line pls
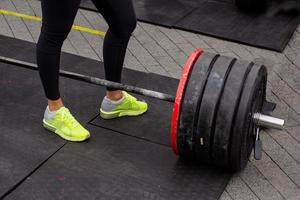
(223, 20)
(110, 165)
(158, 114)
(24, 142)
(154, 11)
(23, 148)
(114, 166)
(217, 18)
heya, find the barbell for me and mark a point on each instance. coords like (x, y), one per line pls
(217, 111)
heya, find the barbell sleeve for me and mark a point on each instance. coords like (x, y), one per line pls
(268, 121)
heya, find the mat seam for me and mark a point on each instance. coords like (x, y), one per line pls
(31, 173)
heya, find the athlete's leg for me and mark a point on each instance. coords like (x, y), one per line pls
(58, 17)
(120, 16)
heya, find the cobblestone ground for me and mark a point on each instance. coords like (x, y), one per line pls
(164, 51)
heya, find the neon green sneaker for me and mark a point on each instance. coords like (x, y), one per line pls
(66, 126)
(129, 106)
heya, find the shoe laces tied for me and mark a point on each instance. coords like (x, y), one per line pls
(133, 102)
(68, 118)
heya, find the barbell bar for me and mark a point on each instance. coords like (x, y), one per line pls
(260, 119)
(217, 109)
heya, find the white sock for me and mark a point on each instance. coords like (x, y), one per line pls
(108, 105)
(115, 102)
(49, 114)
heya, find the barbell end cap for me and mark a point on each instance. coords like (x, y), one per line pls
(268, 121)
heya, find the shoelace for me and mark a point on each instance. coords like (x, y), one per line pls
(68, 118)
(132, 101)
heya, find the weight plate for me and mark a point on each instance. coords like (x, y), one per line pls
(179, 95)
(190, 106)
(227, 111)
(208, 108)
(252, 98)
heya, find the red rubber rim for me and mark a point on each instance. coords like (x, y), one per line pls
(179, 95)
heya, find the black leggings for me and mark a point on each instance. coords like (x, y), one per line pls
(58, 18)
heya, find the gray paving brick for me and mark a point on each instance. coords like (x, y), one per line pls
(155, 50)
(33, 26)
(80, 43)
(237, 189)
(225, 196)
(36, 7)
(290, 74)
(69, 48)
(94, 41)
(286, 93)
(171, 67)
(259, 184)
(284, 111)
(142, 36)
(195, 40)
(132, 63)
(5, 28)
(280, 155)
(158, 36)
(141, 53)
(187, 48)
(16, 24)
(288, 143)
(174, 36)
(158, 70)
(96, 19)
(218, 45)
(277, 178)
(179, 56)
(294, 132)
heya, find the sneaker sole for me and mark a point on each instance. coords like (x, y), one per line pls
(106, 115)
(54, 130)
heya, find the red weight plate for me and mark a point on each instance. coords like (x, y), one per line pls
(188, 67)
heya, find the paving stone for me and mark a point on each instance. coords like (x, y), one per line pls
(142, 36)
(158, 70)
(294, 132)
(155, 50)
(174, 36)
(283, 110)
(288, 143)
(259, 184)
(285, 92)
(158, 36)
(5, 28)
(290, 74)
(280, 155)
(16, 24)
(179, 56)
(33, 26)
(132, 63)
(187, 48)
(225, 196)
(279, 180)
(143, 56)
(195, 40)
(93, 40)
(237, 189)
